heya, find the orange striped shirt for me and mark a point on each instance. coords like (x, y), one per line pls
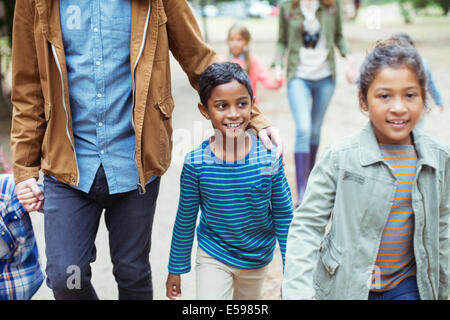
(395, 260)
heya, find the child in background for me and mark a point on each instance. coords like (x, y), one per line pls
(388, 193)
(242, 193)
(20, 271)
(238, 42)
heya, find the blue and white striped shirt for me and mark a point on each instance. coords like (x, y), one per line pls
(245, 207)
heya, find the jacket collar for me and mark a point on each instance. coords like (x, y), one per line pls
(48, 11)
(369, 151)
(49, 19)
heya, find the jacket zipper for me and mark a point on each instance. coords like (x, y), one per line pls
(141, 49)
(423, 237)
(65, 109)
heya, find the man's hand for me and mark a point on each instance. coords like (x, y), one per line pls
(30, 195)
(271, 135)
(173, 286)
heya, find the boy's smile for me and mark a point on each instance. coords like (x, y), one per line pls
(229, 109)
(395, 105)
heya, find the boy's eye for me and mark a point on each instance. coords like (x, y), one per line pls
(243, 104)
(411, 95)
(384, 96)
(221, 106)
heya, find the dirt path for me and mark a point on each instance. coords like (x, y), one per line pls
(343, 117)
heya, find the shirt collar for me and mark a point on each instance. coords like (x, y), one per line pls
(370, 151)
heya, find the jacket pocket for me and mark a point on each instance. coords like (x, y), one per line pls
(328, 265)
(165, 107)
(46, 139)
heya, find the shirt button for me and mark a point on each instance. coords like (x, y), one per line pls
(102, 151)
(97, 63)
(99, 95)
(3, 233)
(100, 124)
(15, 217)
(95, 29)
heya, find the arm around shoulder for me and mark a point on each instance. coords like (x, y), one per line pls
(185, 40)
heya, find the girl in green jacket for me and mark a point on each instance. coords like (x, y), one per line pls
(387, 189)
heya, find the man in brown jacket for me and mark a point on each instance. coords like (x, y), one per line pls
(92, 109)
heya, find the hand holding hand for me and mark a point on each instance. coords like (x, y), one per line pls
(278, 74)
(30, 195)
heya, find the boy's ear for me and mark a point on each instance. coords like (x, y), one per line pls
(362, 102)
(203, 110)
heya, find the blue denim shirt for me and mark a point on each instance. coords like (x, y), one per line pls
(96, 37)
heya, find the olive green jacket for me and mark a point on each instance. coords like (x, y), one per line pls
(354, 186)
(290, 35)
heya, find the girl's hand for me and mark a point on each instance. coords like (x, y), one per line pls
(173, 286)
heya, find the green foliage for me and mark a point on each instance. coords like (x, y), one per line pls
(6, 19)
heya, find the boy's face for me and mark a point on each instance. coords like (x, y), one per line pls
(229, 109)
(395, 105)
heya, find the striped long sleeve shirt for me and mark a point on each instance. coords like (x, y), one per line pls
(245, 207)
(395, 260)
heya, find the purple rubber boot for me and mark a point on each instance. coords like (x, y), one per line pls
(313, 153)
(302, 169)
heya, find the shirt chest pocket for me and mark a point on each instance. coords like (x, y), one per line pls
(260, 192)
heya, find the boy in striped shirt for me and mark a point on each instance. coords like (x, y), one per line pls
(242, 192)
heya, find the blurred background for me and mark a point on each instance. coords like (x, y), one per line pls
(426, 21)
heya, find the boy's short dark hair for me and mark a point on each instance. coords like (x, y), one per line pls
(220, 73)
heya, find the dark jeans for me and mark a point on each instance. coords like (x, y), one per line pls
(71, 223)
(405, 290)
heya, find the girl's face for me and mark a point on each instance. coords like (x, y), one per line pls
(229, 109)
(236, 43)
(395, 104)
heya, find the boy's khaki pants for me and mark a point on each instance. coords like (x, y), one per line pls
(219, 281)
